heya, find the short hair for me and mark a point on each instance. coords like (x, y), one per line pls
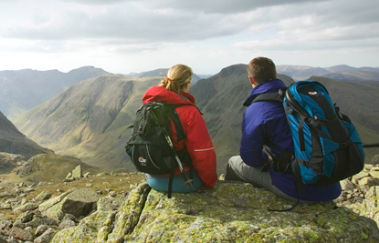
(262, 69)
(177, 77)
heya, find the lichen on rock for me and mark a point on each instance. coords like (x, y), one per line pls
(230, 212)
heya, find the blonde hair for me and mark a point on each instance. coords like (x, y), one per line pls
(177, 77)
(262, 69)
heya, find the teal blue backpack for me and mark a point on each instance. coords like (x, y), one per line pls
(327, 147)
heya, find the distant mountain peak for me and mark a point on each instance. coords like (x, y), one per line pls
(24, 89)
(159, 72)
(338, 68)
(87, 68)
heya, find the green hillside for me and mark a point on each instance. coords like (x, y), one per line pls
(89, 120)
(24, 89)
(12, 141)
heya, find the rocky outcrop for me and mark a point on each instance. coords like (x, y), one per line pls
(231, 212)
(75, 174)
(10, 161)
(44, 195)
(57, 213)
(355, 189)
(362, 193)
(28, 167)
(21, 234)
(78, 202)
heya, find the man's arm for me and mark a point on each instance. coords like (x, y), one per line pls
(253, 134)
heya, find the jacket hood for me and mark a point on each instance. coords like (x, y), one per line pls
(271, 86)
(159, 93)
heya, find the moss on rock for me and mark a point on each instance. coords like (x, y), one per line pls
(230, 212)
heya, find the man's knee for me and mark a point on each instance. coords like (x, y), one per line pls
(232, 172)
(234, 161)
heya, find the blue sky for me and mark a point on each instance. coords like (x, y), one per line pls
(123, 36)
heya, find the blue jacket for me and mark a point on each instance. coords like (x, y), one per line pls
(267, 120)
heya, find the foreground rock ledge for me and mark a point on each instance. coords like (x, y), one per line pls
(230, 212)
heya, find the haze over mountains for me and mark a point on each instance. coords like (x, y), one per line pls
(24, 89)
(160, 72)
(89, 120)
(340, 72)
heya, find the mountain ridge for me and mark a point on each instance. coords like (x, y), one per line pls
(12, 141)
(160, 72)
(90, 119)
(21, 90)
(80, 119)
(299, 72)
(24, 89)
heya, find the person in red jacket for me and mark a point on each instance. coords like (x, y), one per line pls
(174, 90)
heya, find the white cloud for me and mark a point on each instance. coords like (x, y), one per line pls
(206, 32)
(96, 2)
(124, 24)
(224, 7)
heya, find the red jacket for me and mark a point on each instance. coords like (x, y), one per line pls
(197, 141)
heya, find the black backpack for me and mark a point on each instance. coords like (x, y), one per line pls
(150, 147)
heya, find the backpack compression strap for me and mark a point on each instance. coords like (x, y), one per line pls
(371, 145)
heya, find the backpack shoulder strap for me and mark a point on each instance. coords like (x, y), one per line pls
(271, 96)
(268, 97)
(178, 124)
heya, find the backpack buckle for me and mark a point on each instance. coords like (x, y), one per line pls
(266, 167)
(290, 111)
(314, 123)
(282, 164)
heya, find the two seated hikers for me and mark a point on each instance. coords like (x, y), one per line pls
(295, 142)
(265, 124)
(183, 159)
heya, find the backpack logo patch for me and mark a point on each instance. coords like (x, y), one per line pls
(312, 93)
(142, 161)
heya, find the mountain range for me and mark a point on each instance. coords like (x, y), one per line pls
(89, 120)
(220, 98)
(161, 72)
(340, 72)
(24, 89)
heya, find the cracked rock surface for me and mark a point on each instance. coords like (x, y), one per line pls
(230, 212)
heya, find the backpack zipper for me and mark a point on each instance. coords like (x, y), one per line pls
(147, 149)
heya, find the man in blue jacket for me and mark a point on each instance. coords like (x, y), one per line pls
(264, 121)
